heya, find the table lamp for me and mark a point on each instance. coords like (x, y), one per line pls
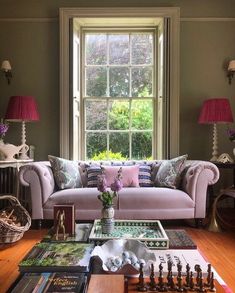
(23, 109)
(213, 111)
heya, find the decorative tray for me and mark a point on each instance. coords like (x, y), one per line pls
(149, 232)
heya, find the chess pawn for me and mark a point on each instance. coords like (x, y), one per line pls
(171, 283)
(212, 285)
(141, 286)
(191, 282)
(200, 284)
(179, 283)
(187, 278)
(208, 279)
(152, 284)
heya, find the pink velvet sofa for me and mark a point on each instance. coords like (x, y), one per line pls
(132, 203)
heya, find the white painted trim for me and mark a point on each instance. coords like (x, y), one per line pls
(207, 19)
(66, 13)
(30, 19)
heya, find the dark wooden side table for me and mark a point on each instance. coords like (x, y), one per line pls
(215, 198)
(220, 166)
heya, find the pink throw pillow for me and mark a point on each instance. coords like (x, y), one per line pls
(130, 175)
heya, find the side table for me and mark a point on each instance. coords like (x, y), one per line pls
(213, 200)
(16, 164)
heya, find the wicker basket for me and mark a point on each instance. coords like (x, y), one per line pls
(10, 233)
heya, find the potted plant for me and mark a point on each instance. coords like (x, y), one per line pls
(106, 197)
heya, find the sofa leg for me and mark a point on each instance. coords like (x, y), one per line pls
(198, 223)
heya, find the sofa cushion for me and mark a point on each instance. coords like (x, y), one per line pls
(83, 198)
(92, 172)
(66, 172)
(145, 175)
(169, 172)
(129, 178)
(153, 198)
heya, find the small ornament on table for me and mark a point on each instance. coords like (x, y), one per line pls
(60, 226)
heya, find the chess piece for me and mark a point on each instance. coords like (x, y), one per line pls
(169, 273)
(141, 286)
(171, 282)
(187, 278)
(152, 284)
(200, 284)
(179, 283)
(191, 282)
(161, 285)
(198, 270)
(212, 285)
(208, 278)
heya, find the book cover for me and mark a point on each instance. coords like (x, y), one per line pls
(51, 282)
(69, 217)
(57, 257)
(82, 232)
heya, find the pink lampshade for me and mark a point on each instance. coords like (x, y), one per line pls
(216, 110)
(22, 108)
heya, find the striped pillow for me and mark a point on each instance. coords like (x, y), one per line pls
(145, 176)
(92, 172)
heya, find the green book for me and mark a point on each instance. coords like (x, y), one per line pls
(57, 257)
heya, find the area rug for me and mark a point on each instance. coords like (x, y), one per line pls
(179, 239)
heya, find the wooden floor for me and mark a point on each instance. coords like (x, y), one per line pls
(218, 248)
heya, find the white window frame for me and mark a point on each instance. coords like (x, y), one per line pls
(154, 12)
(109, 98)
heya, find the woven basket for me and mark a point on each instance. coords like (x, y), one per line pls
(10, 233)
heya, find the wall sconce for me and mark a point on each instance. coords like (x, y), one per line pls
(231, 70)
(6, 68)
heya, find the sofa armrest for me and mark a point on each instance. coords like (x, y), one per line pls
(197, 176)
(39, 177)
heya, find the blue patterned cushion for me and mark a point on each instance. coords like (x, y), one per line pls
(66, 173)
(145, 176)
(92, 172)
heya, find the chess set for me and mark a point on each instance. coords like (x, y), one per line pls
(191, 280)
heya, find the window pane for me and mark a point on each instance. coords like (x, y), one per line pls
(96, 81)
(142, 48)
(96, 115)
(95, 144)
(119, 143)
(119, 49)
(142, 145)
(119, 82)
(142, 114)
(119, 115)
(95, 46)
(141, 82)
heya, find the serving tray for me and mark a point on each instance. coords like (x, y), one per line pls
(149, 232)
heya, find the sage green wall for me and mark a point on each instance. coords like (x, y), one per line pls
(33, 49)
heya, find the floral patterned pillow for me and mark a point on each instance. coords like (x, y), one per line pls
(169, 172)
(66, 173)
